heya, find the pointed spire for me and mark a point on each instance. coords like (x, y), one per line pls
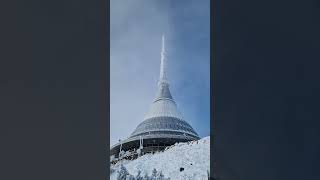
(163, 64)
(163, 84)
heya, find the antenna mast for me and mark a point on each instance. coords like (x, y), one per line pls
(163, 64)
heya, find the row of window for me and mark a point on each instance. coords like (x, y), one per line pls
(164, 132)
(164, 126)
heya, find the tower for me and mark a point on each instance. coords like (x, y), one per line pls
(164, 117)
(163, 125)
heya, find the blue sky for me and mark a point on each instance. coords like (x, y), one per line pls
(136, 30)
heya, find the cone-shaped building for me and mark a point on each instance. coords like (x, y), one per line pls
(163, 125)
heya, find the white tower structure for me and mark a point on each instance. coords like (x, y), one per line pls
(164, 116)
(163, 125)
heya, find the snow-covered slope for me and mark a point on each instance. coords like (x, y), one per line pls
(193, 157)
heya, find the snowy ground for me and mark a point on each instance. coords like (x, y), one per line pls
(194, 157)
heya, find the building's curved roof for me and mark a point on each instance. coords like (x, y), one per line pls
(163, 105)
(163, 125)
(164, 117)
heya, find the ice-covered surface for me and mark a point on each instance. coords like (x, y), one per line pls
(164, 107)
(193, 157)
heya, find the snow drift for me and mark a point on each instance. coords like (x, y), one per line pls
(182, 161)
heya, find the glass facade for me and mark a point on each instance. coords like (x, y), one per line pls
(164, 125)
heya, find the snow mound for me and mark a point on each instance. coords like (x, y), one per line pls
(182, 161)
